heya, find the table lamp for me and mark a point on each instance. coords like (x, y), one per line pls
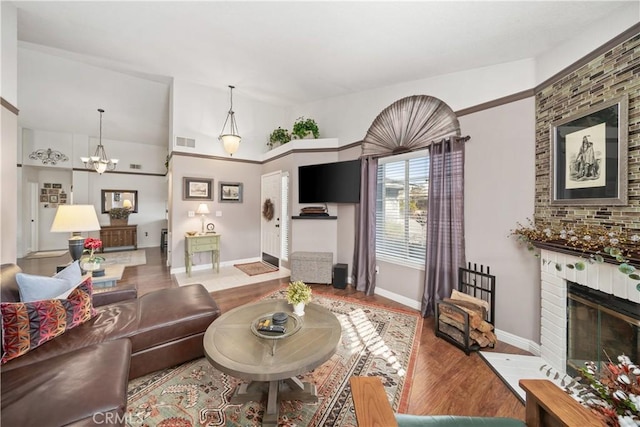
(75, 219)
(203, 209)
(127, 204)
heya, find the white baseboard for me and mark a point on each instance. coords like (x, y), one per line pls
(506, 337)
(398, 298)
(516, 341)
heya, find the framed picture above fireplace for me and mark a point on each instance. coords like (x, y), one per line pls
(589, 156)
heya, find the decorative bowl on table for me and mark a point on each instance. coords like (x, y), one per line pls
(191, 233)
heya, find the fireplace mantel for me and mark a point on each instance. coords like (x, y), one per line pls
(568, 250)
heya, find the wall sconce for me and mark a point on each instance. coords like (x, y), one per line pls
(48, 156)
(202, 210)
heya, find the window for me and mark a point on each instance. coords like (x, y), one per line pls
(401, 208)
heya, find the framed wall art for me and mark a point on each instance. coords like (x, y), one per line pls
(197, 189)
(231, 192)
(589, 156)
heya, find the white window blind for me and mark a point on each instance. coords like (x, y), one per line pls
(401, 208)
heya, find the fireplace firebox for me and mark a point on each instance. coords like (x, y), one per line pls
(599, 326)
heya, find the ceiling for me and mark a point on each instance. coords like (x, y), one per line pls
(288, 53)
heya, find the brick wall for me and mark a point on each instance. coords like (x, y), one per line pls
(608, 76)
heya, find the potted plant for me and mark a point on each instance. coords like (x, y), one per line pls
(279, 137)
(93, 261)
(119, 216)
(298, 294)
(304, 128)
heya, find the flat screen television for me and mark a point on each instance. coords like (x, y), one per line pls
(337, 182)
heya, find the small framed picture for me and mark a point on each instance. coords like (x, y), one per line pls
(53, 198)
(230, 192)
(56, 186)
(47, 185)
(44, 198)
(44, 191)
(197, 189)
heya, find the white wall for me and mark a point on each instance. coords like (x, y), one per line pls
(499, 193)
(560, 56)
(349, 117)
(199, 112)
(63, 95)
(9, 48)
(9, 135)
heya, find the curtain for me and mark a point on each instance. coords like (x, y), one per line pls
(445, 221)
(364, 260)
(410, 124)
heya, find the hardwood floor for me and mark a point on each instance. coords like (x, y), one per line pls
(446, 381)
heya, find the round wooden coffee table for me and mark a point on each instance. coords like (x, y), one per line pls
(271, 363)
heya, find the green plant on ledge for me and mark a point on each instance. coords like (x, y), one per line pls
(298, 292)
(119, 213)
(278, 137)
(303, 126)
(595, 242)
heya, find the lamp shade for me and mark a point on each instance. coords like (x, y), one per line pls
(75, 218)
(127, 204)
(202, 209)
(231, 143)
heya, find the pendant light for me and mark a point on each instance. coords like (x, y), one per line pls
(230, 139)
(99, 161)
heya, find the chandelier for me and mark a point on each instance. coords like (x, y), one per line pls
(99, 161)
(230, 139)
(48, 156)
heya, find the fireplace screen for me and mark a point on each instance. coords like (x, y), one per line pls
(600, 326)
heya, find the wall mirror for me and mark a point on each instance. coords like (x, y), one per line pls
(119, 199)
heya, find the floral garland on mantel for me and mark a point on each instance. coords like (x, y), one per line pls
(594, 243)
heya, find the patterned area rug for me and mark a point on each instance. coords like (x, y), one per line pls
(376, 341)
(255, 268)
(126, 258)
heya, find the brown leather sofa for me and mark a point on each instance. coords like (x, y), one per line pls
(80, 377)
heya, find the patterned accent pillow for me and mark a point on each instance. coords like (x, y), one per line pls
(27, 325)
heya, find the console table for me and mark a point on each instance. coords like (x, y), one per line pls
(209, 242)
(113, 236)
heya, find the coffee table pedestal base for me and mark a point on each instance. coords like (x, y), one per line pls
(275, 391)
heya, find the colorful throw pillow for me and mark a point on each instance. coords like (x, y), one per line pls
(35, 288)
(27, 325)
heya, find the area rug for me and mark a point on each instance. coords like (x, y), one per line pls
(126, 258)
(376, 341)
(45, 254)
(255, 268)
(228, 277)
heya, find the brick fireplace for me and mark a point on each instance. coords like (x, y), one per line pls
(603, 277)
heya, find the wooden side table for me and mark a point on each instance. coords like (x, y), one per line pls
(209, 242)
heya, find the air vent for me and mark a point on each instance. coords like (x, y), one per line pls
(185, 142)
(134, 166)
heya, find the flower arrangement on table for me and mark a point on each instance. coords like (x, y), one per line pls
(594, 241)
(298, 292)
(119, 213)
(613, 392)
(90, 262)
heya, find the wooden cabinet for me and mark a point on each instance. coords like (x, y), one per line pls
(114, 236)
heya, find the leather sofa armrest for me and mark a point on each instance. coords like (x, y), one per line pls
(104, 296)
